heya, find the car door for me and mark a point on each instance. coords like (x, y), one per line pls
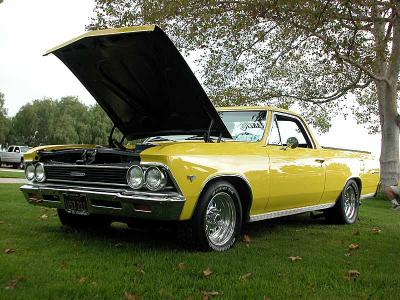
(7, 155)
(16, 155)
(297, 176)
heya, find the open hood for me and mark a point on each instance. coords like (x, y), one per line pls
(141, 80)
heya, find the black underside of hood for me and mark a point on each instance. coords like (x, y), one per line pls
(142, 82)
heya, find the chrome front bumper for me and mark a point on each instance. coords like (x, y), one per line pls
(109, 201)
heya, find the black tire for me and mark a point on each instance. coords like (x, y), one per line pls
(22, 164)
(346, 208)
(77, 221)
(198, 236)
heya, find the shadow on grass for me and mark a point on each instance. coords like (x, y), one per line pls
(169, 236)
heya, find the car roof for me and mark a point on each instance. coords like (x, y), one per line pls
(250, 108)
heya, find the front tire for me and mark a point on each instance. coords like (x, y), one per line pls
(217, 220)
(346, 208)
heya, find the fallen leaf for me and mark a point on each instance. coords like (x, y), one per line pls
(208, 295)
(12, 284)
(353, 274)
(376, 230)
(44, 217)
(266, 298)
(181, 266)
(93, 285)
(347, 254)
(82, 280)
(354, 247)
(207, 272)
(246, 276)
(246, 238)
(357, 232)
(63, 264)
(2, 222)
(140, 269)
(9, 250)
(295, 258)
(129, 296)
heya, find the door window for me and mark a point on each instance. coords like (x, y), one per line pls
(11, 149)
(284, 127)
(16, 149)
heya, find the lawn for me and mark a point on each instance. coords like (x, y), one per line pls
(52, 262)
(11, 174)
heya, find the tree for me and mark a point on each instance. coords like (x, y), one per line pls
(4, 121)
(312, 54)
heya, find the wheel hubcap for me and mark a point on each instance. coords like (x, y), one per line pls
(350, 202)
(220, 219)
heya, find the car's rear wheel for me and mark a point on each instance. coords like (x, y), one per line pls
(77, 221)
(21, 164)
(217, 220)
(346, 208)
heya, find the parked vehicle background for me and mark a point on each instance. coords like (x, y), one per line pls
(14, 156)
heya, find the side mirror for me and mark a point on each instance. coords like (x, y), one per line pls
(292, 143)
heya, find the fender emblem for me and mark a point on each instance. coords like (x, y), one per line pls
(77, 174)
(191, 178)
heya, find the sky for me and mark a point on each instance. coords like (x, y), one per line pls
(28, 28)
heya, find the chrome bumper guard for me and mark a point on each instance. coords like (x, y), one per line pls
(109, 201)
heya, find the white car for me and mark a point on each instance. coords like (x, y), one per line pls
(14, 156)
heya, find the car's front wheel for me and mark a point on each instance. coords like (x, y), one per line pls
(346, 208)
(217, 220)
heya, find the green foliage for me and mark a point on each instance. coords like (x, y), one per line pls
(67, 121)
(4, 121)
(282, 53)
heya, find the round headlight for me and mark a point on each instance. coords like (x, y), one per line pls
(30, 172)
(39, 173)
(135, 177)
(155, 179)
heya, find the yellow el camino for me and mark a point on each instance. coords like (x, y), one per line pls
(210, 169)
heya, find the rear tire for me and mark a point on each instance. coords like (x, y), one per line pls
(217, 220)
(77, 221)
(346, 208)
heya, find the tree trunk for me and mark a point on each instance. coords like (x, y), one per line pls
(389, 159)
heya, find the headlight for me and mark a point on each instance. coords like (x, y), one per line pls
(30, 172)
(155, 179)
(135, 177)
(39, 173)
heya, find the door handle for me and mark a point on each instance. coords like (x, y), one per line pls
(320, 160)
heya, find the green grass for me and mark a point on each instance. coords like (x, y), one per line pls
(10, 174)
(50, 260)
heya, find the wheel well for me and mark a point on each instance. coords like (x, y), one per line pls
(243, 189)
(359, 183)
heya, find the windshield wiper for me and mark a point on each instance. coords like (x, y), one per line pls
(201, 137)
(159, 139)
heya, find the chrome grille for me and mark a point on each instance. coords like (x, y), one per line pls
(87, 174)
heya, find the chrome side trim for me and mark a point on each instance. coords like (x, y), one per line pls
(87, 166)
(371, 195)
(288, 212)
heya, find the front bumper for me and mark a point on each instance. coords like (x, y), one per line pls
(120, 203)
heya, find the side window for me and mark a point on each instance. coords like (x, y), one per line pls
(275, 138)
(16, 149)
(285, 127)
(11, 149)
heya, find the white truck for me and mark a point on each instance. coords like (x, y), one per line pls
(14, 156)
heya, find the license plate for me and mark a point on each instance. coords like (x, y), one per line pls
(76, 204)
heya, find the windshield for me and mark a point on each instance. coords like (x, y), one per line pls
(246, 126)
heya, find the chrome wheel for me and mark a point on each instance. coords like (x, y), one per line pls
(220, 219)
(350, 202)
